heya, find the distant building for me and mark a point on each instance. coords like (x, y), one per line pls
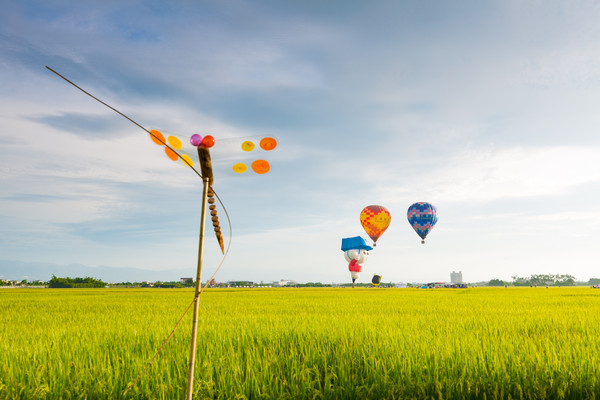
(434, 285)
(456, 277)
(240, 284)
(287, 282)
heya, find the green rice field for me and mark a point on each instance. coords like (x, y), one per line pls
(326, 343)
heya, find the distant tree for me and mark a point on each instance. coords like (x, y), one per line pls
(594, 281)
(87, 282)
(542, 279)
(57, 283)
(168, 285)
(564, 280)
(496, 282)
(313, 284)
(518, 281)
(545, 280)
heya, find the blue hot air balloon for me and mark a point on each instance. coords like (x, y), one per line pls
(422, 216)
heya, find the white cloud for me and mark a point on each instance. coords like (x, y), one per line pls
(519, 172)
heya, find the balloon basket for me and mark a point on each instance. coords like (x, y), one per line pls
(422, 241)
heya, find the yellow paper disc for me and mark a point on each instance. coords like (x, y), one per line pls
(187, 160)
(248, 145)
(174, 142)
(239, 168)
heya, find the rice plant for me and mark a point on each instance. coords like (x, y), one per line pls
(326, 343)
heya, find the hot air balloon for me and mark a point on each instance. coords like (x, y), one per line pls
(355, 269)
(356, 252)
(376, 280)
(422, 216)
(375, 220)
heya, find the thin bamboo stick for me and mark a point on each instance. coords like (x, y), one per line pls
(190, 383)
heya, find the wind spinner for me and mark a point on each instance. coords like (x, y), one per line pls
(194, 152)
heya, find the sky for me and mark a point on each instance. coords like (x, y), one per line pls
(488, 110)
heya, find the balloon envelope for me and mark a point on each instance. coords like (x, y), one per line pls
(355, 243)
(355, 254)
(354, 266)
(422, 216)
(375, 220)
(376, 280)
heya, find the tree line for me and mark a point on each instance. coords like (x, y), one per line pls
(541, 280)
(86, 282)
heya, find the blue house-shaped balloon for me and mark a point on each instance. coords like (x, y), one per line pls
(355, 243)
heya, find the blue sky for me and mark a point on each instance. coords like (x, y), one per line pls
(488, 110)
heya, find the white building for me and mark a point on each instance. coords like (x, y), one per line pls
(287, 282)
(456, 277)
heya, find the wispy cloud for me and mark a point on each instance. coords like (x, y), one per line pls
(489, 175)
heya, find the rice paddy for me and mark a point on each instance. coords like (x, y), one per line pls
(326, 343)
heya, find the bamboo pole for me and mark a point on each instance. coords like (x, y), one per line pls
(190, 382)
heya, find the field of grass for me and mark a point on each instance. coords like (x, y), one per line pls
(332, 343)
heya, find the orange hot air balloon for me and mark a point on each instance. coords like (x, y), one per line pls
(375, 220)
